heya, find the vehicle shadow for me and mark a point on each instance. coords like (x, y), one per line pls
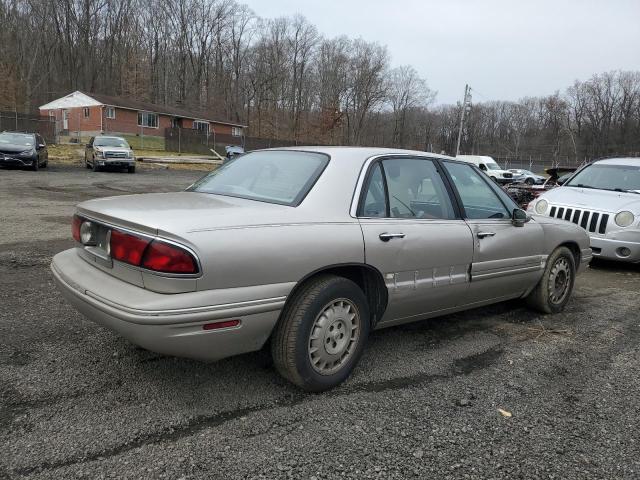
(612, 266)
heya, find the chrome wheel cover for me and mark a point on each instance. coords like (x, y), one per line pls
(334, 336)
(559, 281)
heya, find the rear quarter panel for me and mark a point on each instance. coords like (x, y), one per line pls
(273, 254)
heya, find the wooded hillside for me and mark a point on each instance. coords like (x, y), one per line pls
(285, 80)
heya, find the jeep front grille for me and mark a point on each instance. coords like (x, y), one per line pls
(591, 221)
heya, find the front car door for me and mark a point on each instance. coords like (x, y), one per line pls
(415, 237)
(507, 259)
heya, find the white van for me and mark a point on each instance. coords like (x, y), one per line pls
(489, 166)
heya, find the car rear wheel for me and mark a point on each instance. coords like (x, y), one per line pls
(553, 291)
(529, 181)
(321, 333)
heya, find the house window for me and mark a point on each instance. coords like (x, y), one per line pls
(110, 112)
(146, 119)
(236, 131)
(201, 126)
(87, 111)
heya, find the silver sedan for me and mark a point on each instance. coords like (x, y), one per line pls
(307, 250)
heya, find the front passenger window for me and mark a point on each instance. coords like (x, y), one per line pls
(478, 198)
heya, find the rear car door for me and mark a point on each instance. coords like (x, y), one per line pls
(507, 259)
(414, 236)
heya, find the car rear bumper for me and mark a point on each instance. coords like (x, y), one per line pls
(170, 331)
(611, 249)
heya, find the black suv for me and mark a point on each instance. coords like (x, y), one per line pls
(23, 150)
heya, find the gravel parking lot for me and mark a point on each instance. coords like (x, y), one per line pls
(77, 401)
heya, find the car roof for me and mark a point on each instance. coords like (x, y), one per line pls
(630, 161)
(360, 153)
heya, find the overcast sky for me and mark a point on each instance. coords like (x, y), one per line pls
(505, 49)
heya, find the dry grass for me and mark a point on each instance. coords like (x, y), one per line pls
(73, 154)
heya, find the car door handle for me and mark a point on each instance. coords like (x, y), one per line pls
(485, 234)
(385, 237)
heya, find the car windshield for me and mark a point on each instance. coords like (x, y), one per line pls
(492, 166)
(277, 176)
(7, 138)
(110, 142)
(608, 177)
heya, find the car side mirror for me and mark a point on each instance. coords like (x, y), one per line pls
(41, 146)
(519, 217)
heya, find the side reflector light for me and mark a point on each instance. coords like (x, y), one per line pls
(223, 324)
(127, 248)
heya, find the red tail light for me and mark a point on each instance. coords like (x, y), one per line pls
(164, 257)
(154, 255)
(127, 248)
(75, 227)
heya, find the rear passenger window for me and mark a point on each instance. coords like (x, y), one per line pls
(414, 187)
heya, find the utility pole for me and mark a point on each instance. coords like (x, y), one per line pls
(466, 105)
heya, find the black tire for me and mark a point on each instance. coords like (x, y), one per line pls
(545, 297)
(45, 164)
(94, 166)
(131, 169)
(529, 181)
(291, 343)
(36, 165)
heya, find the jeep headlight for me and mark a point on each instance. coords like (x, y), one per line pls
(99, 154)
(624, 218)
(541, 206)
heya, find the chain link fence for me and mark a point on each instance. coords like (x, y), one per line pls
(186, 140)
(29, 123)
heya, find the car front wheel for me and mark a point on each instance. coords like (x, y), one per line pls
(321, 333)
(553, 291)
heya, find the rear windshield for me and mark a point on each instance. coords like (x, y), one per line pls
(16, 139)
(110, 142)
(278, 176)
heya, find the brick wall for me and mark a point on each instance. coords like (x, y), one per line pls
(125, 122)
